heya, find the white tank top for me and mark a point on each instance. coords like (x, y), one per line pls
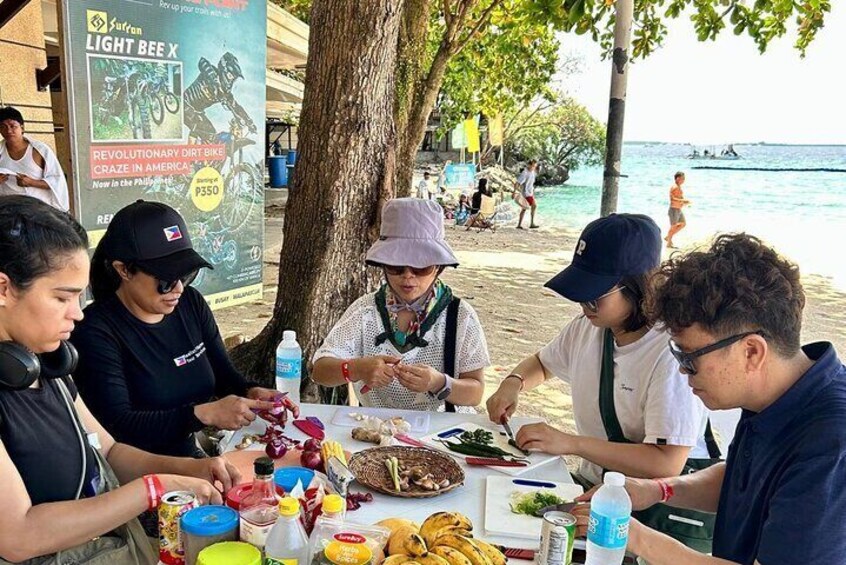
(30, 168)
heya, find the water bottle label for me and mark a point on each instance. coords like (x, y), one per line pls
(289, 368)
(608, 532)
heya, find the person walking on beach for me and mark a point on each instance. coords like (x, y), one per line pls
(677, 202)
(423, 187)
(526, 183)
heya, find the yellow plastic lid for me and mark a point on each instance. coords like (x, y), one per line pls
(289, 506)
(333, 504)
(229, 553)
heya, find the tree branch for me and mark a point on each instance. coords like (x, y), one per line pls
(483, 19)
(448, 17)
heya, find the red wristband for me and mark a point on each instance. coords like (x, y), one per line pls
(154, 489)
(345, 370)
(666, 490)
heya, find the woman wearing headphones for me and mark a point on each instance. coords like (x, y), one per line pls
(58, 466)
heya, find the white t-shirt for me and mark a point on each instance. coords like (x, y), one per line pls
(30, 168)
(355, 334)
(423, 189)
(527, 181)
(652, 398)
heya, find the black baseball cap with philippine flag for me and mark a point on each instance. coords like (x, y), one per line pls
(153, 237)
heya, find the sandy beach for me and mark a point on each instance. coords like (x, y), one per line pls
(502, 276)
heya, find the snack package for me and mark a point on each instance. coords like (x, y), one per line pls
(333, 542)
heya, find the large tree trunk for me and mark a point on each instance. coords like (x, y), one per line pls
(345, 171)
(411, 58)
(424, 100)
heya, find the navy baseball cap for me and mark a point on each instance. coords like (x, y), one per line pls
(154, 237)
(609, 249)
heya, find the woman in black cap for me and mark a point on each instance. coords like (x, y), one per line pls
(151, 355)
(609, 274)
(633, 409)
(58, 466)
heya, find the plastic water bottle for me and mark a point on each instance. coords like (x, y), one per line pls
(608, 528)
(287, 543)
(289, 365)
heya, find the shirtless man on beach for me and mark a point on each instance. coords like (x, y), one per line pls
(677, 202)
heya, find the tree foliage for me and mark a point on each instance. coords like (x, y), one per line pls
(562, 136)
(762, 20)
(502, 70)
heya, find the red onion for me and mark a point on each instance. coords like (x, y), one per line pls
(311, 444)
(311, 460)
(276, 449)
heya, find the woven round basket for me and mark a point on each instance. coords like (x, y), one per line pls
(370, 470)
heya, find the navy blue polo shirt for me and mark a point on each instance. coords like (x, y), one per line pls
(783, 498)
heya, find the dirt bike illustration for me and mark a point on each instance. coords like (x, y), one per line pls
(161, 98)
(242, 180)
(214, 246)
(127, 90)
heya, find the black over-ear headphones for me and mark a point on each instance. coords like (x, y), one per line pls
(19, 367)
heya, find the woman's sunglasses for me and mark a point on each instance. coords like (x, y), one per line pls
(417, 272)
(686, 360)
(164, 287)
(593, 305)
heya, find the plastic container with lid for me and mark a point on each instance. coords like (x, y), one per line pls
(238, 492)
(230, 553)
(207, 525)
(287, 543)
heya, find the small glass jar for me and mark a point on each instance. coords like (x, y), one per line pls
(205, 526)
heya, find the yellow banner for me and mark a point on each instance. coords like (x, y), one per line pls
(471, 130)
(495, 133)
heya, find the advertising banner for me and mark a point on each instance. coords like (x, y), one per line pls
(462, 177)
(167, 103)
(495, 131)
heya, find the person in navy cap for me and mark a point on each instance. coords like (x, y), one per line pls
(633, 410)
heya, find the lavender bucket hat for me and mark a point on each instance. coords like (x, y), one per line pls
(412, 234)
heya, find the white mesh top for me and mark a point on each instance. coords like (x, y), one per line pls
(355, 334)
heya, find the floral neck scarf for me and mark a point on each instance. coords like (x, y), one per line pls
(427, 308)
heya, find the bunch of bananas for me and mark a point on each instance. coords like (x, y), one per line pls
(444, 538)
(331, 449)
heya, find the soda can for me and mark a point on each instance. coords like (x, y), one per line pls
(172, 507)
(556, 544)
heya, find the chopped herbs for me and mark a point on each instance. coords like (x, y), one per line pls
(530, 503)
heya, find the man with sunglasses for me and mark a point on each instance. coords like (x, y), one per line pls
(735, 316)
(151, 356)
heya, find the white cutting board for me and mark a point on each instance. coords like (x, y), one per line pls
(419, 421)
(501, 521)
(536, 459)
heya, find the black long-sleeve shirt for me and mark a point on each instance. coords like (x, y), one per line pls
(143, 380)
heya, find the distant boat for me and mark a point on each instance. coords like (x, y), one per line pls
(726, 154)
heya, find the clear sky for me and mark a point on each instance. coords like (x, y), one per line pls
(725, 91)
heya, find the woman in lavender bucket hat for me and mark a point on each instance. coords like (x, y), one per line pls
(391, 344)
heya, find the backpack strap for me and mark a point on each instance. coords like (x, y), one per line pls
(607, 410)
(450, 343)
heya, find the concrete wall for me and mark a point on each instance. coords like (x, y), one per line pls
(22, 52)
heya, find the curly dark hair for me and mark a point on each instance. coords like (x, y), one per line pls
(635, 288)
(739, 284)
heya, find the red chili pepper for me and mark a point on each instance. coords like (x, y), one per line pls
(310, 429)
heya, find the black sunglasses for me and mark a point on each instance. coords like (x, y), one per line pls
(164, 287)
(593, 305)
(686, 359)
(417, 272)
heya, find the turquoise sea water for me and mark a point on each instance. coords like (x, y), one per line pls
(803, 214)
